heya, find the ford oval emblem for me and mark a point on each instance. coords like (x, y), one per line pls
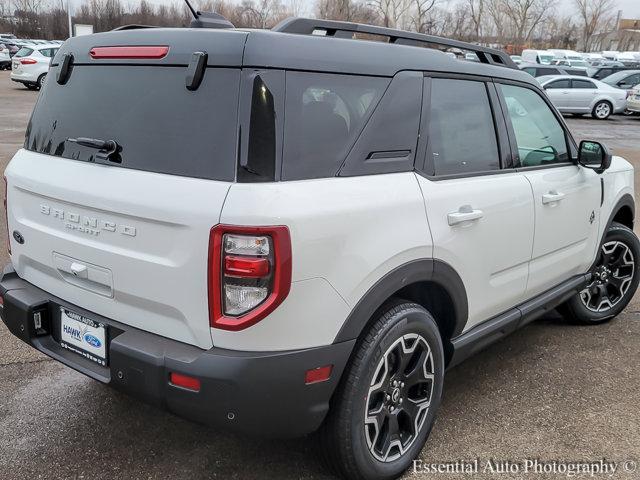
(93, 341)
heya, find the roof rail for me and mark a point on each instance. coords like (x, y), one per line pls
(133, 26)
(307, 26)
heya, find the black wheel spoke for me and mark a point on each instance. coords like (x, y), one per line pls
(397, 401)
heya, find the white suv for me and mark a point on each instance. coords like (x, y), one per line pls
(281, 261)
(31, 63)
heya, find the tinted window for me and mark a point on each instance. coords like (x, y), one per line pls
(324, 115)
(530, 70)
(605, 72)
(540, 137)
(558, 84)
(582, 84)
(461, 137)
(159, 124)
(547, 71)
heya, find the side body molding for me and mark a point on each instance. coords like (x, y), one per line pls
(424, 270)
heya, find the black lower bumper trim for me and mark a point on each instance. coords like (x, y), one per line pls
(259, 393)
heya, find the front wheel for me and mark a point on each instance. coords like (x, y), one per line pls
(615, 279)
(385, 406)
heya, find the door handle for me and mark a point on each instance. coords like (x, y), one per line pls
(464, 214)
(552, 197)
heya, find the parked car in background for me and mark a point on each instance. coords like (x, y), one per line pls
(633, 101)
(5, 58)
(626, 79)
(31, 64)
(542, 57)
(580, 96)
(538, 70)
(517, 59)
(600, 73)
(10, 45)
(565, 62)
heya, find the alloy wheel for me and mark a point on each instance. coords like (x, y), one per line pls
(399, 397)
(612, 277)
(603, 110)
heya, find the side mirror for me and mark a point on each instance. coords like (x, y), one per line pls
(594, 155)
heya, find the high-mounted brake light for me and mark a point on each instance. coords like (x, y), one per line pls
(249, 274)
(28, 61)
(132, 52)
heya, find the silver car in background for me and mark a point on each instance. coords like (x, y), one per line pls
(580, 95)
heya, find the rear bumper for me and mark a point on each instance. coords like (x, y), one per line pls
(259, 393)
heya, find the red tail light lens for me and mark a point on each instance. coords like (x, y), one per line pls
(131, 52)
(6, 215)
(249, 274)
(27, 61)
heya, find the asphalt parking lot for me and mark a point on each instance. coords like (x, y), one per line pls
(551, 391)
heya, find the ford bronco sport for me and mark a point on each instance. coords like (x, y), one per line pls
(298, 230)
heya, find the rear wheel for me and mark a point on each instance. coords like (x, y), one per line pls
(383, 411)
(615, 279)
(602, 110)
(41, 79)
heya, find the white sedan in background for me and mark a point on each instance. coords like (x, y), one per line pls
(633, 102)
(580, 95)
(30, 64)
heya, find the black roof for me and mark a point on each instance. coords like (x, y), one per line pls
(274, 49)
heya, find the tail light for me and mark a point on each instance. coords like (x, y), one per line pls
(249, 274)
(6, 215)
(27, 61)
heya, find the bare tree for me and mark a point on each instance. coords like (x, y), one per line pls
(422, 18)
(476, 12)
(390, 11)
(526, 15)
(594, 15)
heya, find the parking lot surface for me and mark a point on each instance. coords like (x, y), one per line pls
(551, 391)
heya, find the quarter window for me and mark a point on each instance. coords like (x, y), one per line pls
(462, 137)
(324, 114)
(540, 137)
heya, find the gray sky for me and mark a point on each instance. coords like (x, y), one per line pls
(630, 8)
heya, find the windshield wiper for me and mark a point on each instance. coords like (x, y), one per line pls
(108, 150)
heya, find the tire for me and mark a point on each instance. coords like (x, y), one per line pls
(616, 277)
(602, 110)
(41, 80)
(353, 448)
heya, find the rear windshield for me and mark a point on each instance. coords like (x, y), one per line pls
(158, 124)
(24, 52)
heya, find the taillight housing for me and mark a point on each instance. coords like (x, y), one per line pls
(6, 214)
(249, 273)
(28, 61)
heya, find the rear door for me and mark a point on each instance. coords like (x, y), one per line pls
(480, 214)
(566, 196)
(583, 94)
(124, 233)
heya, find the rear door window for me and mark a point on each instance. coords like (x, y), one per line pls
(583, 84)
(159, 125)
(461, 137)
(324, 114)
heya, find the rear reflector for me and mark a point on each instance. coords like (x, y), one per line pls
(316, 375)
(137, 52)
(184, 381)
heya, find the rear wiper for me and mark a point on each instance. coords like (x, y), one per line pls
(107, 149)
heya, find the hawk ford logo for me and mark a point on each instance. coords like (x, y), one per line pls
(93, 341)
(85, 224)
